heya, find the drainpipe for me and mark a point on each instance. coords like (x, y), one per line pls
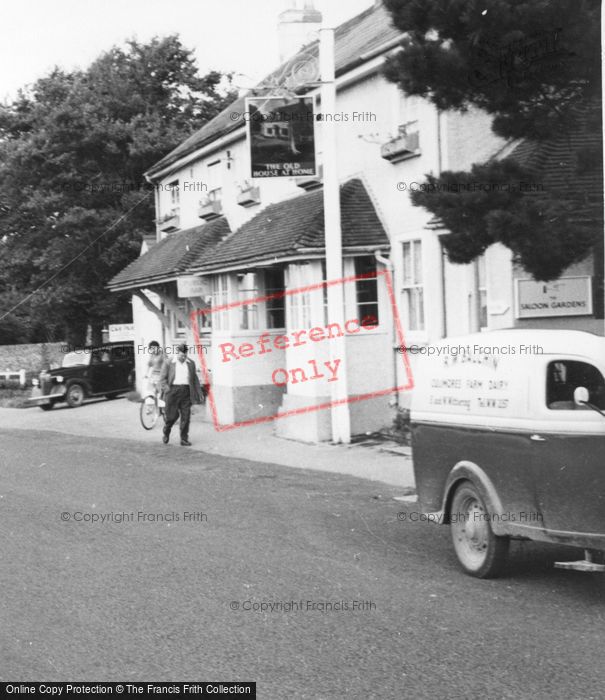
(387, 262)
(476, 299)
(443, 329)
(443, 291)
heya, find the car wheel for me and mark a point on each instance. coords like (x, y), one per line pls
(480, 552)
(75, 395)
(46, 406)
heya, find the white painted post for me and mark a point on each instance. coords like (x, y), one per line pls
(22, 377)
(341, 422)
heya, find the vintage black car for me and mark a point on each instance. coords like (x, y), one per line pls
(87, 372)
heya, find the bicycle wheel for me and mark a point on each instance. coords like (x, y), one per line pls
(149, 412)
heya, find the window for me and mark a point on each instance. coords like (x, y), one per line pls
(367, 289)
(482, 291)
(324, 277)
(276, 308)
(100, 356)
(299, 304)
(122, 352)
(248, 289)
(173, 188)
(563, 377)
(214, 175)
(180, 328)
(408, 109)
(413, 289)
(220, 297)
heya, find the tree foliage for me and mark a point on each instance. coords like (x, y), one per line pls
(534, 66)
(526, 62)
(487, 205)
(73, 202)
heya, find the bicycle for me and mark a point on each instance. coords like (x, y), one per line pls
(152, 407)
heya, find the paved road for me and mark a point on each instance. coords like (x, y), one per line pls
(120, 419)
(153, 600)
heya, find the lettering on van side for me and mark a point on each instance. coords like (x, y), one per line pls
(492, 403)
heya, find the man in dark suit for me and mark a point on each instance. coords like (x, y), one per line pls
(181, 388)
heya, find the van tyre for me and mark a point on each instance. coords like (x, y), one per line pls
(480, 552)
(75, 395)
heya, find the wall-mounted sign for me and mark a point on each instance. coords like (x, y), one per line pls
(567, 296)
(281, 136)
(192, 286)
(119, 332)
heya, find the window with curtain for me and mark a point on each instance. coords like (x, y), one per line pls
(299, 305)
(220, 297)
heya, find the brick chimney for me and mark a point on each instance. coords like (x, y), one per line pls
(296, 25)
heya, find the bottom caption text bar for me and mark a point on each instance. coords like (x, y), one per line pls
(205, 689)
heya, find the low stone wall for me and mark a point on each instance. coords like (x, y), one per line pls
(31, 357)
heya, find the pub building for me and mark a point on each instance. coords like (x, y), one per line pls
(248, 238)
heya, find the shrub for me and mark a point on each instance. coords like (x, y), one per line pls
(401, 426)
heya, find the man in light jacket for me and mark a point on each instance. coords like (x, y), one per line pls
(181, 388)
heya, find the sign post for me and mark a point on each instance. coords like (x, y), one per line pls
(341, 422)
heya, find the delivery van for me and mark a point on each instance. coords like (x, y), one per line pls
(508, 439)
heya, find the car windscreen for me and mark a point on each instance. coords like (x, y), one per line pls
(73, 359)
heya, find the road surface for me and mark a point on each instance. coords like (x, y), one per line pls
(258, 589)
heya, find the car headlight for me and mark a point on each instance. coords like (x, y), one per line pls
(35, 382)
(59, 378)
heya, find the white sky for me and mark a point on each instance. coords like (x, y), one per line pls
(227, 35)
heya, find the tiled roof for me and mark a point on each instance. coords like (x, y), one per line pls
(296, 227)
(171, 256)
(571, 163)
(355, 41)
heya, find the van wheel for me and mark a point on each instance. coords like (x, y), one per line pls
(75, 395)
(479, 551)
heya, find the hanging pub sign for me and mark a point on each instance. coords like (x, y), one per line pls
(281, 136)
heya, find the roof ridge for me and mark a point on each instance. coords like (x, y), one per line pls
(286, 227)
(220, 126)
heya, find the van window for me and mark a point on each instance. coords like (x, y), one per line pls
(564, 376)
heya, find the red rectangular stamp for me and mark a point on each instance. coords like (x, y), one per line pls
(272, 373)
